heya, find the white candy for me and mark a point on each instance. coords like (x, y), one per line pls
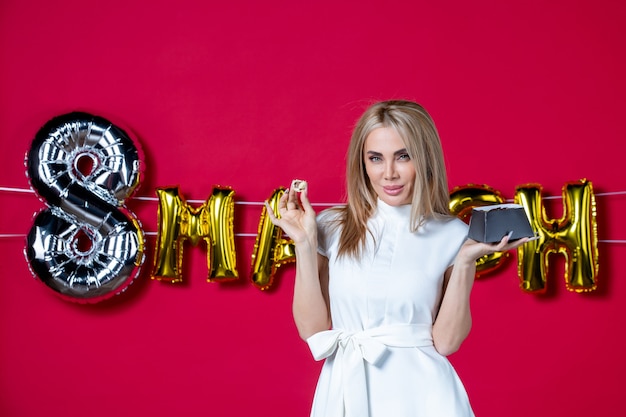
(298, 185)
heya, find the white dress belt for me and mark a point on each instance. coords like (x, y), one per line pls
(348, 391)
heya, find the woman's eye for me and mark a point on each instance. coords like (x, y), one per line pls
(375, 158)
(404, 157)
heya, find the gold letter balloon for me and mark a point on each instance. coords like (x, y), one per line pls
(212, 222)
(462, 201)
(575, 236)
(271, 250)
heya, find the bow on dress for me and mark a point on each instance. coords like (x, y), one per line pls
(348, 391)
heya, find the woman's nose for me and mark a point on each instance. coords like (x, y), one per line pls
(390, 170)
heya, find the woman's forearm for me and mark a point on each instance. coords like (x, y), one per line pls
(310, 304)
(454, 320)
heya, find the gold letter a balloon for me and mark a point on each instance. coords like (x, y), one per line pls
(270, 249)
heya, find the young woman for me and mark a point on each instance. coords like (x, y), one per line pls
(383, 283)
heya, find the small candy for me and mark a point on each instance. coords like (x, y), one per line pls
(298, 185)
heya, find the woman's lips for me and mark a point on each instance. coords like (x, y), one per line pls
(393, 189)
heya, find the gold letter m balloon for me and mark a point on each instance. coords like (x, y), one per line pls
(575, 236)
(213, 222)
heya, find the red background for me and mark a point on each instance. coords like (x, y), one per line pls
(252, 94)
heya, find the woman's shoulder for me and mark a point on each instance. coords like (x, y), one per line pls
(328, 228)
(448, 224)
(331, 215)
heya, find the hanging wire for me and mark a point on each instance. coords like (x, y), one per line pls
(261, 203)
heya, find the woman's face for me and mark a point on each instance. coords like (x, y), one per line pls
(389, 167)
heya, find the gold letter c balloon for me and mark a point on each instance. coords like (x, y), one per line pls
(462, 201)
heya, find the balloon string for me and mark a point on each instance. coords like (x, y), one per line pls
(260, 203)
(554, 197)
(145, 198)
(236, 234)
(257, 203)
(16, 190)
(22, 235)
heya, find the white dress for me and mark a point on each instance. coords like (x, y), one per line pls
(380, 358)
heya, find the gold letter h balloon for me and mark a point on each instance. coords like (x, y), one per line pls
(574, 236)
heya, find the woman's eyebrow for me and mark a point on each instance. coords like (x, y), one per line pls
(396, 153)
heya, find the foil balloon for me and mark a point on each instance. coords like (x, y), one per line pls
(86, 246)
(462, 200)
(271, 250)
(575, 236)
(211, 222)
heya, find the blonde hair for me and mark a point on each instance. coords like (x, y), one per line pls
(430, 191)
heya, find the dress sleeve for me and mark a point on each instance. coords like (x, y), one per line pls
(326, 230)
(458, 233)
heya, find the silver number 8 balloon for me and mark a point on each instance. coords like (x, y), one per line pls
(87, 246)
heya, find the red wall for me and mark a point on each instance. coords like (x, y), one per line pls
(252, 94)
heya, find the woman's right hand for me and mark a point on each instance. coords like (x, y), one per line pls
(296, 218)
